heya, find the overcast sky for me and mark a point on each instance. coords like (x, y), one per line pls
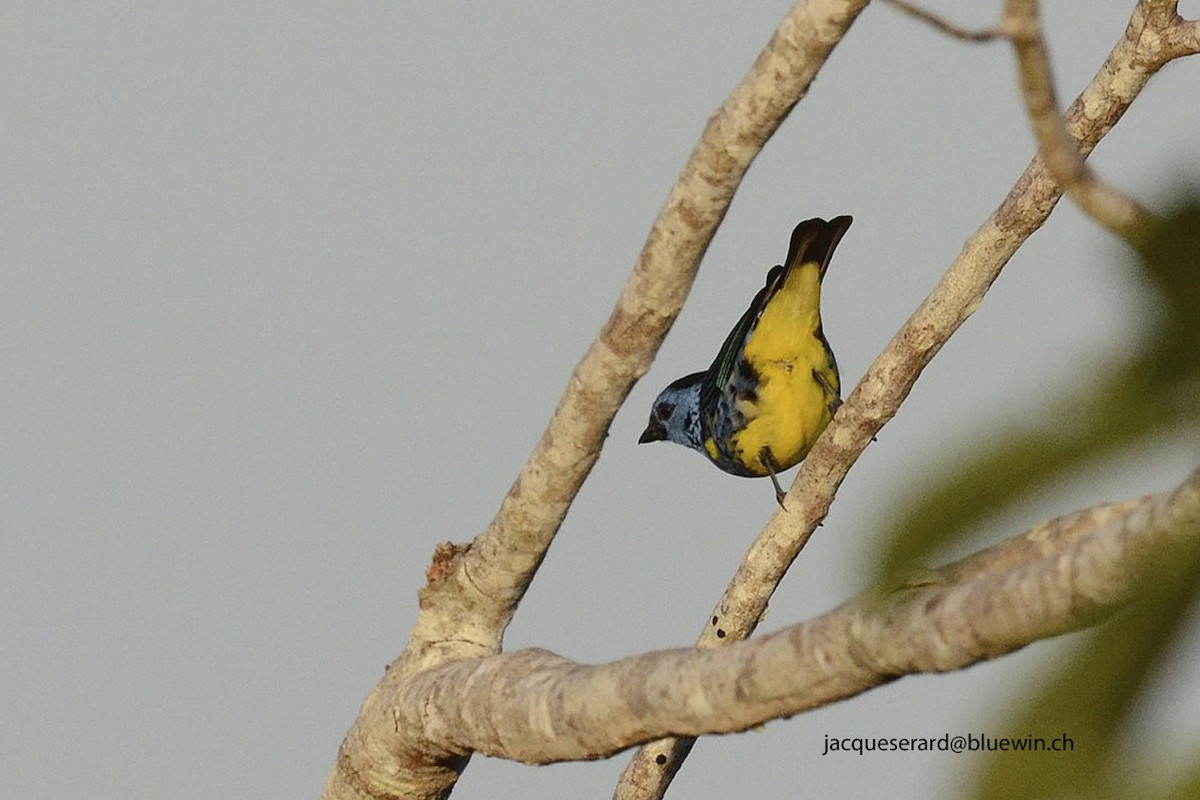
(290, 292)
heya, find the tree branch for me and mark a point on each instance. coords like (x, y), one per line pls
(1064, 574)
(489, 578)
(1152, 38)
(1101, 201)
(474, 590)
(397, 749)
(949, 28)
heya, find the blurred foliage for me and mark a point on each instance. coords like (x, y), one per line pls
(1093, 695)
(1158, 390)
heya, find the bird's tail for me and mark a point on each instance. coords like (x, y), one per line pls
(814, 240)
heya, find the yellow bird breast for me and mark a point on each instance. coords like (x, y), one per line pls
(791, 408)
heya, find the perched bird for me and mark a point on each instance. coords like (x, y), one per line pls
(774, 385)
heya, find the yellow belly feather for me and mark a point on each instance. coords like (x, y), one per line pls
(791, 408)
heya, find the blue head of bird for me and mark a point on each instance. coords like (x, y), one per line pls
(675, 416)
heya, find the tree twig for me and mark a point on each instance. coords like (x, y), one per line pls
(946, 27)
(1100, 200)
(1103, 202)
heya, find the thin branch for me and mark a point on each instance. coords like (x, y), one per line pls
(1183, 38)
(1150, 41)
(1102, 201)
(948, 28)
(1071, 572)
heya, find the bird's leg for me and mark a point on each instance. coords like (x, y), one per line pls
(835, 402)
(764, 456)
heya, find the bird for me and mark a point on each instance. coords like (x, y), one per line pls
(774, 385)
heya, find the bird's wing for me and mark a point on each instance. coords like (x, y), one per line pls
(719, 375)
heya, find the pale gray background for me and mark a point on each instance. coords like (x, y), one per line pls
(290, 291)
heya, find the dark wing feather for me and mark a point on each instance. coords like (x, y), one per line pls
(719, 374)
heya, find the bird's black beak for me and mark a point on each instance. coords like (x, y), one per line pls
(655, 432)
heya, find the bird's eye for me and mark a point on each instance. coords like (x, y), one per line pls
(664, 410)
